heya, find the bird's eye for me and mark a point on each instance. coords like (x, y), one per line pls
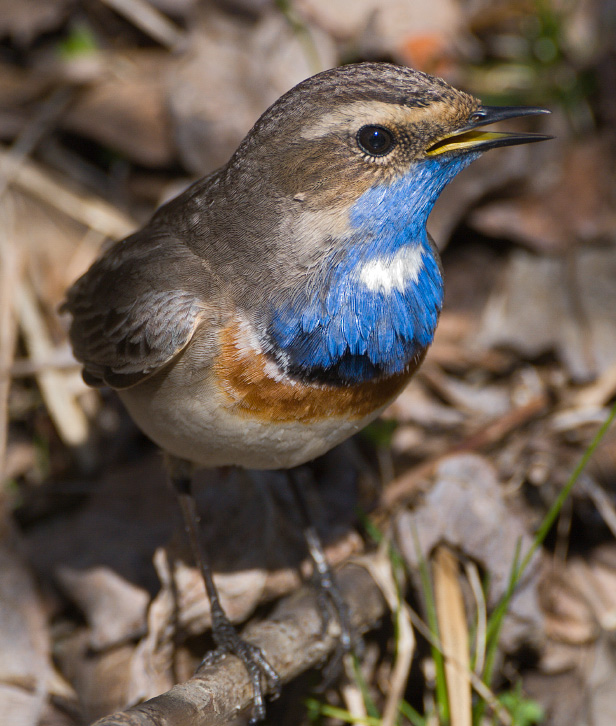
(375, 140)
(477, 116)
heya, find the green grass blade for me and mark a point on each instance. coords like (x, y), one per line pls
(518, 568)
(554, 510)
(316, 709)
(371, 708)
(411, 715)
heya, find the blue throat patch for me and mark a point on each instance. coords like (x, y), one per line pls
(374, 304)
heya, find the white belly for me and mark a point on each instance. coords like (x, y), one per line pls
(198, 425)
(240, 409)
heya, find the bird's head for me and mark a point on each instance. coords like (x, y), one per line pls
(350, 129)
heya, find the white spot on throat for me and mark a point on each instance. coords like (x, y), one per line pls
(385, 274)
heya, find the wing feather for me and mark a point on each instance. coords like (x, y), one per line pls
(136, 308)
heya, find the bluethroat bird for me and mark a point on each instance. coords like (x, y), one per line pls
(278, 305)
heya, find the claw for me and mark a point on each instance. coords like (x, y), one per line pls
(254, 660)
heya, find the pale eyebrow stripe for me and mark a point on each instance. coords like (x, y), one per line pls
(351, 116)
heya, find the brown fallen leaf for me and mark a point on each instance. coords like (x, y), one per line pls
(547, 303)
(466, 509)
(125, 108)
(575, 207)
(230, 74)
(25, 663)
(25, 20)
(114, 608)
(453, 630)
(395, 28)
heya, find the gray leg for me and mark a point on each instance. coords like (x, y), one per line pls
(225, 636)
(328, 593)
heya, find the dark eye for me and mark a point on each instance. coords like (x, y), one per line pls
(375, 140)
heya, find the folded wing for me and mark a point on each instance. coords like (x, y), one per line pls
(136, 308)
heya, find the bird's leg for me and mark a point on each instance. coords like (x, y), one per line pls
(328, 594)
(225, 636)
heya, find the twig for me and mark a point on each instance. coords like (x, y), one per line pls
(60, 359)
(478, 685)
(472, 575)
(151, 21)
(31, 134)
(292, 641)
(68, 417)
(601, 501)
(382, 572)
(352, 696)
(599, 392)
(491, 434)
(302, 33)
(9, 276)
(90, 211)
(573, 295)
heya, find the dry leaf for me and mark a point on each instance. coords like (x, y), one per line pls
(466, 509)
(24, 639)
(550, 303)
(23, 21)
(125, 109)
(231, 73)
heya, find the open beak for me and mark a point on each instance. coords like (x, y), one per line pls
(470, 138)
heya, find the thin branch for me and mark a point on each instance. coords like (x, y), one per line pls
(31, 134)
(293, 642)
(9, 279)
(601, 500)
(67, 415)
(90, 211)
(151, 21)
(383, 573)
(494, 432)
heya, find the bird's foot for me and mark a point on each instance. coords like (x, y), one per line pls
(228, 641)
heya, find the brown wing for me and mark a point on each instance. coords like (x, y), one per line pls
(136, 308)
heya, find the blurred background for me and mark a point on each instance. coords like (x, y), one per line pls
(110, 107)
